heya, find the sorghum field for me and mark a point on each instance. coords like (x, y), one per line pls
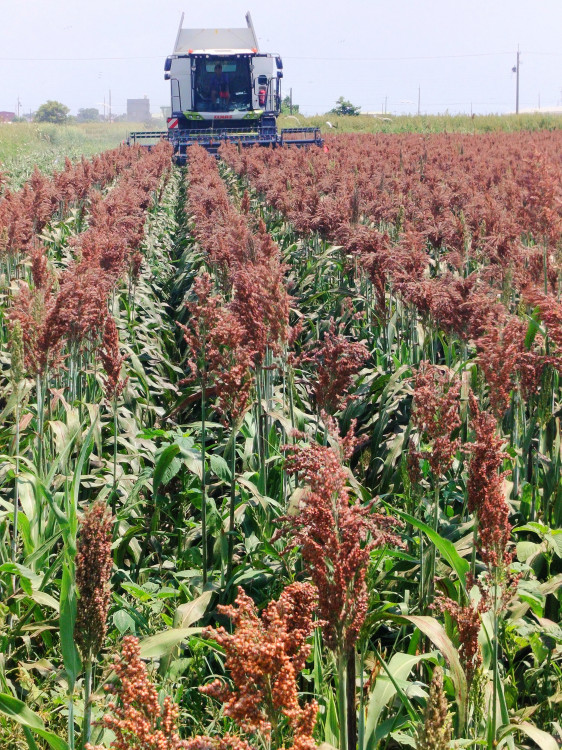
(281, 447)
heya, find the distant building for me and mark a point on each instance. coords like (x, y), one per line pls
(138, 110)
(7, 116)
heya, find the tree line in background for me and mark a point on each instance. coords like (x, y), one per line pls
(58, 113)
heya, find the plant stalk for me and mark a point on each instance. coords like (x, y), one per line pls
(115, 427)
(232, 506)
(87, 725)
(361, 729)
(16, 485)
(342, 703)
(203, 489)
(71, 721)
(495, 664)
(350, 699)
(40, 418)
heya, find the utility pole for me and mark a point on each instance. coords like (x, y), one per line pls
(516, 71)
(419, 99)
(385, 101)
(109, 105)
(19, 106)
(291, 100)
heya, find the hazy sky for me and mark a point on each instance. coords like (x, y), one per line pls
(458, 53)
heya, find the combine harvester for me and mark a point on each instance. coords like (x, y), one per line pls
(224, 89)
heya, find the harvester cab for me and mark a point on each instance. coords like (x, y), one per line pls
(224, 89)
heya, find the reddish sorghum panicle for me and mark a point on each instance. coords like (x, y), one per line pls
(135, 265)
(336, 539)
(506, 361)
(112, 360)
(462, 305)
(228, 742)
(219, 355)
(261, 304)
(334, 361)
(413, 462)
(264, 656)
(540, 202)
(436, 732)
(231, 361)
(93, 570)
(467, 620)
(198, 333)
(31, 309)
(39, 268)
(435, 413)
(550, 309)
(138, 721)
(80, 307)
(485, 489)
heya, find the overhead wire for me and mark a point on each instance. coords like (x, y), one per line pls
(288, 57)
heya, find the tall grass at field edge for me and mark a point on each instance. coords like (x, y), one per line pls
(424, 123)
(45, 145)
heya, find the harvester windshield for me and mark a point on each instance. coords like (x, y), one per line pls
(222, 84)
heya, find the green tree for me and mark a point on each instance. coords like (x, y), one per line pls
(52, 111)
(345, 107)
(286, 106)
(90, 114)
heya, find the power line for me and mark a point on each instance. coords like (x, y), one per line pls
(394, 59)
(547, 54)
(286, 57)
(77, 59)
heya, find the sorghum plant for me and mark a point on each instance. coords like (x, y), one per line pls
(112, 360)
(94, 562)
(435, 412)
(467, 618)
(334, 361)
(198, 334)
(17, 371)
(265, 655)
(507, 363)
(114, 384)
(436, 732)
(138, 721)
(261, 304)
(31, 311)
(336, 539)
(231, 361)
(486, 499)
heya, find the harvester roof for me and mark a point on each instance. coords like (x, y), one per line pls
(216, 41)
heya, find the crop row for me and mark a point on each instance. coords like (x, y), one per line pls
(25, 213)
(344, 462)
